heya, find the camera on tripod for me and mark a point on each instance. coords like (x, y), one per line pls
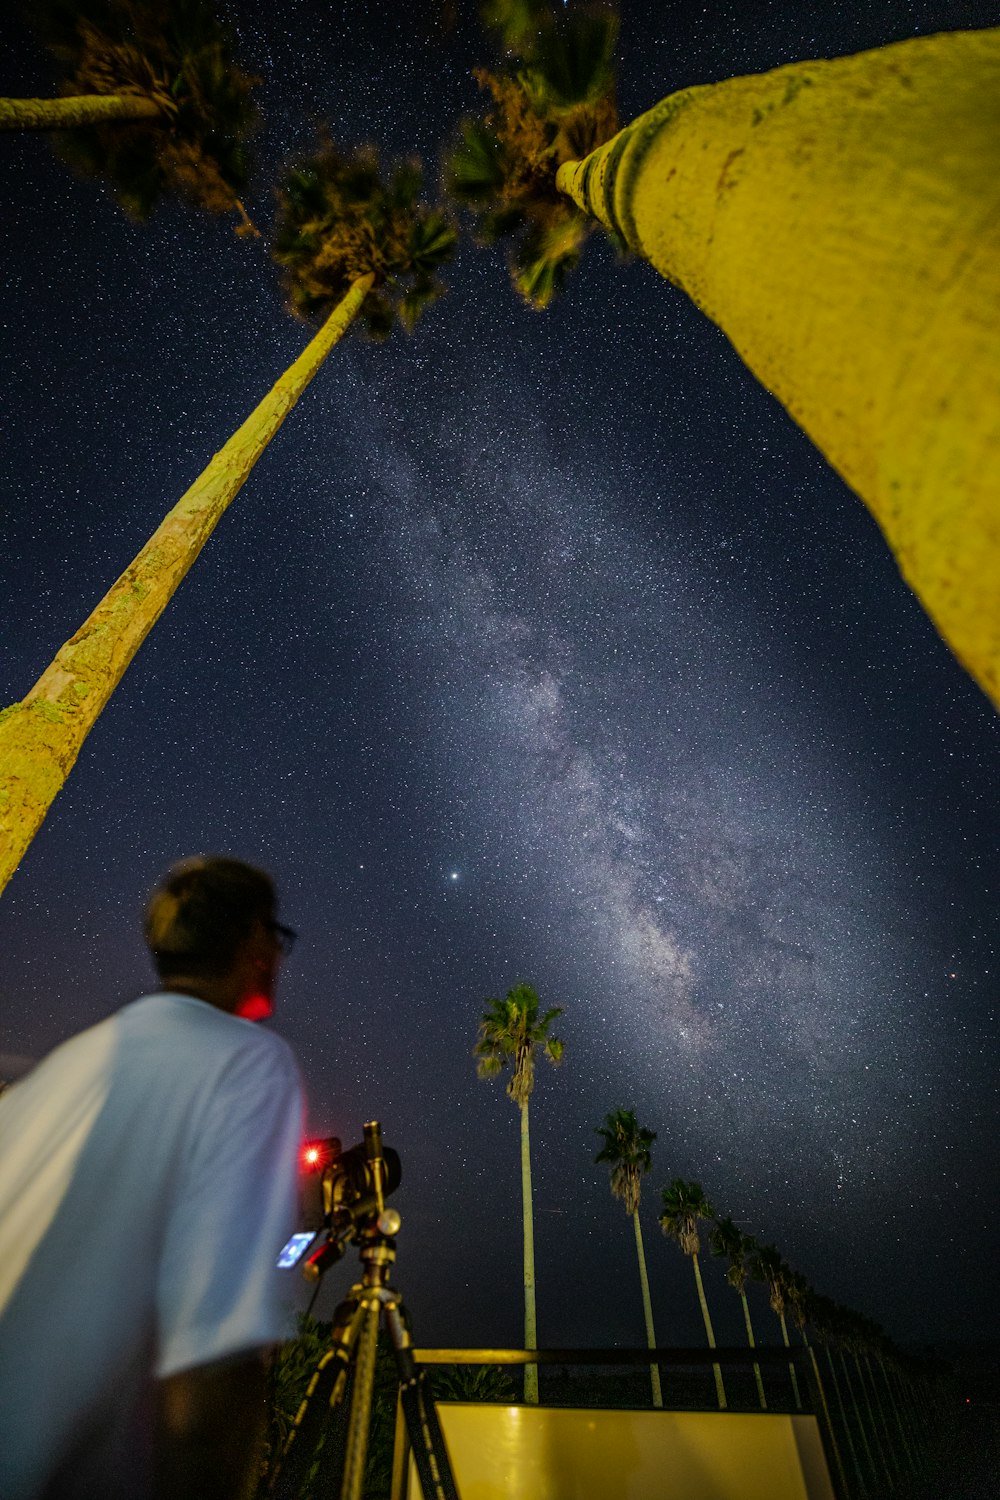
(353, 1187)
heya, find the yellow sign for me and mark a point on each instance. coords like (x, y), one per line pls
(555, 1453)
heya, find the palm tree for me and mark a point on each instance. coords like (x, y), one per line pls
(727, 1239)
(799, 1296)
(830, 217)
(152, 99)
(767, 1265)
(509, 1032)
(552, 103)
(684, 1203)
(353, 249)
(626, 1151)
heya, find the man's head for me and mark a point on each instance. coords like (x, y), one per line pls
(210, 928)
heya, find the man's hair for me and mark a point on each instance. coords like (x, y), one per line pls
(201, 911)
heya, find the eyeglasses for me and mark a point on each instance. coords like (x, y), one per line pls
(285, 937)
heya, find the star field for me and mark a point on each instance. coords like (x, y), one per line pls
(537, 647)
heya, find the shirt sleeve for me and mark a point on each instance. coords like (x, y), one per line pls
(218, 1289)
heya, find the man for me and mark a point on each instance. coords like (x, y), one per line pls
(148, 1174)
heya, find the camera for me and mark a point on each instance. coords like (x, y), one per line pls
(352, 1188)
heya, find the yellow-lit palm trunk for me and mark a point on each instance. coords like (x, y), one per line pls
(41, 736)
(530, 1324)
(706, 1317)
(647, 1309)
(753, 1344)
(791, 1367)
(78, 109)
(840, 221)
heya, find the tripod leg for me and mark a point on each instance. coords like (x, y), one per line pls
(324, 1392)
(430, 1453)
(361, 1402)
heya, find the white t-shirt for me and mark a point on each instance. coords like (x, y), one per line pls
(148, 1176)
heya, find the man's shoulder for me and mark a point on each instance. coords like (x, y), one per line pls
(182, 1022)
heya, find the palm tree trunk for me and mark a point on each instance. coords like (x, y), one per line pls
(530, 1329)
(885, 1436)
(77, 109)
(845, 1425)
(753, 1344)
(873, 1428)
(904, 1435)
(837, 220)
(859, 1418)
(720, 1389)
(41, 736)
(791, 1367)
(647, 1308)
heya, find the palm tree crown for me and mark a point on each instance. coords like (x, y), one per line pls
(552, 102)
(768, 1265)
(339, 219)
(684, 1203)
(509, 1032)
(626, 1150)
(800, 1296)
(728, 1240)
(177, 54)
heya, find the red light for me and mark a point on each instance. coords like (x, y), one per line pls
(315, 1155)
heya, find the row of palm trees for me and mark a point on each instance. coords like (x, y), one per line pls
(511, 1031)
(832, 217)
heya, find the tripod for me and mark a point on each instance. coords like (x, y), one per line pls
(353, 1346)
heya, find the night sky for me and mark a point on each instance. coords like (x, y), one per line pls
(538, 647)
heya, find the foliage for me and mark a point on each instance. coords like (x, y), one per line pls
(727, 1239)
(178, 54)
(509, 1032)
(626, 1150)
(472, 1383)
(552, 102)
(684, 1203)
(290, 1374)
(340, 219)
(767, 1265)
(800, 1295)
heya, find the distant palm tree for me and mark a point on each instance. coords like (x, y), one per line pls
(152, 99)
(799, 1296)
(727, 1239)
(684, 1203)
(767, 1265)
(352, 247)
(511, 1031)
(805, 210)
(626, 1151)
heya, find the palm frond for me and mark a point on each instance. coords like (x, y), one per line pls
(180, 56)
(340, 218)
(474, 170)
(552, 102)
(510, 1031)
(572, 61)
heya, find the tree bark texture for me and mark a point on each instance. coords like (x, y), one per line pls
(41, 736)
(840, 222)
(66, 113)
(647, 1309)
(530, 1327)
(720, 1389)
(753, 1344)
